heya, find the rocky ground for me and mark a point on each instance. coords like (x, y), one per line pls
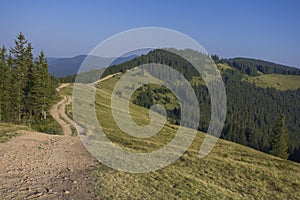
(41, 166)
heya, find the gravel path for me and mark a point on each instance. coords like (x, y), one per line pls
(41, 166)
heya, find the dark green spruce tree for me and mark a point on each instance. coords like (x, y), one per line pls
(41, 90)
(279, 145)
(20, 71)
(29, 83)
(5, 86)
(2, 79)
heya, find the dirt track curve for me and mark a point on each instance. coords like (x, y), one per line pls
(41, 166)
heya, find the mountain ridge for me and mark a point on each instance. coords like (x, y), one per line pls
(62, 67)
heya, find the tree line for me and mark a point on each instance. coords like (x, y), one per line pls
(26, 88)
(254, 67)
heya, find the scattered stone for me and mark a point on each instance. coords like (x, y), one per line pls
(38, 194)
(69, 169)
(67, 192)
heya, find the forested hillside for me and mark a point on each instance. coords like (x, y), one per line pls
(254, 67)
(251, 110)
(26, 87)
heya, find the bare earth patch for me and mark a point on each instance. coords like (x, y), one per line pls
(42, 166)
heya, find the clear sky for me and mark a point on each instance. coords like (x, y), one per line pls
(265, 29)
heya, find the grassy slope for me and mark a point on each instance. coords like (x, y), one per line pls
(66, 91)
(278, 81)
(223, 66)
(230, 171)
(198, 80)
(8, 131)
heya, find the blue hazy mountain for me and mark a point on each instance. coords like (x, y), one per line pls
(61, 67)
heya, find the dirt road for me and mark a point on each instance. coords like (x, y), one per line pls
(58, 113)
(42, 166)
(103, 79)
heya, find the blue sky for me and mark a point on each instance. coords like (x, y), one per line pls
(263, 29)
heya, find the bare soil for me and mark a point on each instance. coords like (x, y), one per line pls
(41, 166)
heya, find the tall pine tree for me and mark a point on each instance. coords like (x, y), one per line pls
(20, 65)
(30, 69)
(2, 79)
(41, 87)
(279, 146)
(5, 86)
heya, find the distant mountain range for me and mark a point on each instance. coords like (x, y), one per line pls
(61, 67)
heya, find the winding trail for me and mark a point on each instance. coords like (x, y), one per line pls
(42, 166)
(103, 79)
(58, 113)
